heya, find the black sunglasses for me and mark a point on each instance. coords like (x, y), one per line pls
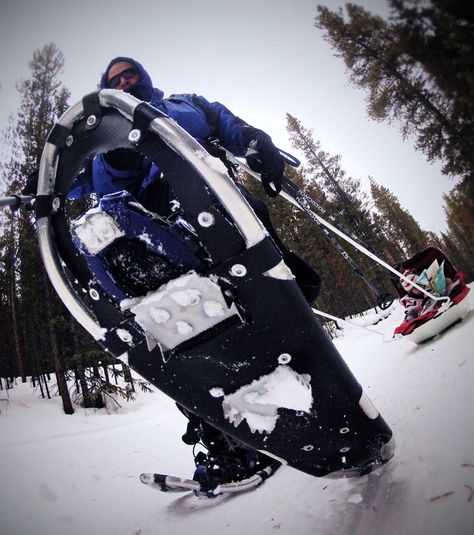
(127, 74)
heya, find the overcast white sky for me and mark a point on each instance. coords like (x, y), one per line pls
(261, 58)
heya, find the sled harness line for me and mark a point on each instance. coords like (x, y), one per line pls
(353, 323)
(301, 200)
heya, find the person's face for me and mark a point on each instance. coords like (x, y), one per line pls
(122, 75)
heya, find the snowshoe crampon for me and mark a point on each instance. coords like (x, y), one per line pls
(167, 483)
(223, 329)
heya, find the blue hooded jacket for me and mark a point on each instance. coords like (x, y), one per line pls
(199, 117)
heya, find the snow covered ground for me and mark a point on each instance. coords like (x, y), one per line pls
(79, 474)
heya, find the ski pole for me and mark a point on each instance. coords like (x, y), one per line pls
(301, 201)
(293, 194)
(384, 300)
(15, 201)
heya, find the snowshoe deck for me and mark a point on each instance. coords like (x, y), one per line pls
(262, 369)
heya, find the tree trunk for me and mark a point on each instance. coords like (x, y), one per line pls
(87, 401)
(45, 380)
(127, 375)
(19, 356)
(106, 373)
(40, 386)
(58, 365)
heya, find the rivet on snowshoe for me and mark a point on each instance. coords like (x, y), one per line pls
(238, 270)
(94, 294)
(205, 219)
(124, 335)
(56, 204)
(134, 136)
(284, 358)
(91, 120)
(216, 392)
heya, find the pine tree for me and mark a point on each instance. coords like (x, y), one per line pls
(345, 194)
(43, 100)
(458, 240)
(404, 235)
(417, 69)
(7, 316)
(38, 330)
(349, 204)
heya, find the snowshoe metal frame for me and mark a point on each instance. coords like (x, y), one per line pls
(341, 432)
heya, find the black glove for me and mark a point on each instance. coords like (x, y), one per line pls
(263, 157)
(31, 183)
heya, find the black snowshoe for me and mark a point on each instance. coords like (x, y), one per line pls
(227, 332)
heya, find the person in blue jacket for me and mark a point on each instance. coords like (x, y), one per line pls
(202, 119)
(205, 121)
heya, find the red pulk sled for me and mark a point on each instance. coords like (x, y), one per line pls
(426, 317)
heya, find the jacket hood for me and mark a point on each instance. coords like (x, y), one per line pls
(143, 89)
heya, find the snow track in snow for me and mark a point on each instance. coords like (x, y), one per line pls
(79, 474)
